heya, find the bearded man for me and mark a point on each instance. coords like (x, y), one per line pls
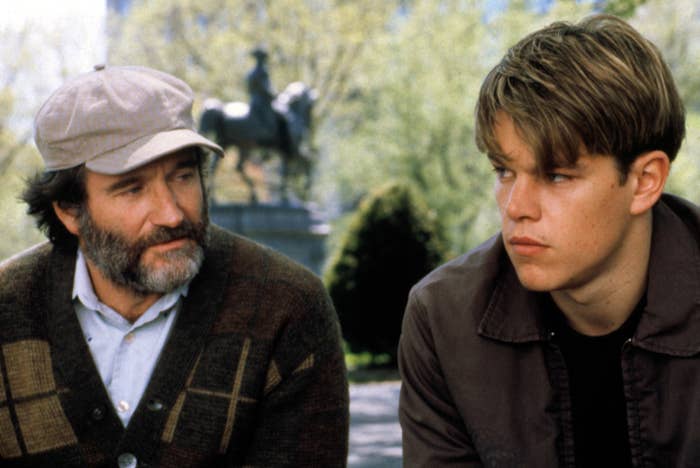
(140, 334)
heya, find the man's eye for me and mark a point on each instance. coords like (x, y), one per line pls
(502, 172)
(184, 176)
(556, 177)
(132, 190)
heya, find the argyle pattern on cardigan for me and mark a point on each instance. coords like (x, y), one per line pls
(31, 417)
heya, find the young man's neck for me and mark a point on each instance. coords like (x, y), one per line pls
(127, 302)
(604, 304)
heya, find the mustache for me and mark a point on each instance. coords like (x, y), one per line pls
(163, 234)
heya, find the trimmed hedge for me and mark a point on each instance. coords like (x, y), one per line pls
(393, 240)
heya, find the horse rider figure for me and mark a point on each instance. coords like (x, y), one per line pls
(271, 121)
(263, 118)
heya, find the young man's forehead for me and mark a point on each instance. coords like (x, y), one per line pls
(498, 157)
(548, 151)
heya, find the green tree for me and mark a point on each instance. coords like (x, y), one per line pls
(622, 8)
(15, 61)
(675, 28)
(393, 241)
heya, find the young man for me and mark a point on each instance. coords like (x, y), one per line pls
(572, 338)
(141, 335)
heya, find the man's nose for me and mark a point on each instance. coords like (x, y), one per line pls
(166, 210)
(523, 199)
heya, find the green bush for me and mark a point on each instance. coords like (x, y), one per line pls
(393, 240)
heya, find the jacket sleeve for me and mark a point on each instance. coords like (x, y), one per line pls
(303, 418)
(433, 431)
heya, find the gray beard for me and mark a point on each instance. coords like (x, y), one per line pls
(120, 260)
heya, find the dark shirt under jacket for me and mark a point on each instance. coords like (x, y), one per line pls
(598, 409)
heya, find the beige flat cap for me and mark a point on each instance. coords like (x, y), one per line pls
(115, 119)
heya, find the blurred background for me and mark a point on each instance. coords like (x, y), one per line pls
(396, 176)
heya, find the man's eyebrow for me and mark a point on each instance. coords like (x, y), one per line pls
(123, 183)
(498, 158)
(184, 163)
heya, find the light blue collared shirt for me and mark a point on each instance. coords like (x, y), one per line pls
(125, 353)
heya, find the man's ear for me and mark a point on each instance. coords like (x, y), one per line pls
(68, 216)
(649, 172)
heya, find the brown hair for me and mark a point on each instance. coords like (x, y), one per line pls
(597, 85)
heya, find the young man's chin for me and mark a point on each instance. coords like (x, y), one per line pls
(537, 279)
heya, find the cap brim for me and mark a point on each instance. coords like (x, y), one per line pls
(147, 149)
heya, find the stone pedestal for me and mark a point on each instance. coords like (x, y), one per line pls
(295, 231)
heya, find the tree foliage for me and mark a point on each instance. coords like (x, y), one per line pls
(208, 42)
(393, 241)
(622, 8)
(675, 28)
(16, 59)
(23, 52)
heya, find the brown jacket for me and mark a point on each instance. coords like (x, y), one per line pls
(252, 374)
(485, 385)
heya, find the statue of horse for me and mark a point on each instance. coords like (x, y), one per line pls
(232, 124)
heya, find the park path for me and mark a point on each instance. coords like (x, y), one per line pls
(375, 434)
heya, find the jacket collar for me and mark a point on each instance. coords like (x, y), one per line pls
(669, 324)
(513, 314)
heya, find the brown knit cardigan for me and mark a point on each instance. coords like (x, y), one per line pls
(251, 375)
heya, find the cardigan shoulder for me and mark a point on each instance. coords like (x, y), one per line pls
(252, 268)
(251, 259)
(271, 296)
(18, 272)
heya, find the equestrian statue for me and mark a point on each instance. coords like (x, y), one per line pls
(279, 122)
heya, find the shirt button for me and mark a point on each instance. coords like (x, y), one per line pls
(122, 406)
(129, 338)
(97, 413)
(127, 460)
(154, 405)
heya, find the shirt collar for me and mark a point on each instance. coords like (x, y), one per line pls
(84, 292)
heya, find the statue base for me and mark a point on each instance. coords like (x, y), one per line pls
(295, 231)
